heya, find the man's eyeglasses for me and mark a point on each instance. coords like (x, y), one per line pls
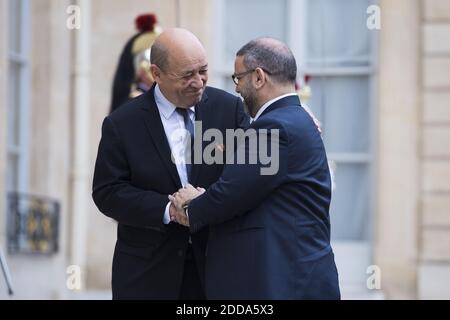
(238, 76)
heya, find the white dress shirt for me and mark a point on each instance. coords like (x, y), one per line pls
(176, 134)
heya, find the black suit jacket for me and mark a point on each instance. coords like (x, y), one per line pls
(270, 233)
(134, 175)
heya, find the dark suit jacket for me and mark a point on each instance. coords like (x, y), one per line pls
(270, 234)
(134, 175)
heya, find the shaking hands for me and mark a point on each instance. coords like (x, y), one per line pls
(180, 201)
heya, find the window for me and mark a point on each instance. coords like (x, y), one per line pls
(339, 57)
(237, 23)
(18, 91)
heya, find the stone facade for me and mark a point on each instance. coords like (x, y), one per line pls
(434, 227)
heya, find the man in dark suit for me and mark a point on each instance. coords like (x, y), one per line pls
(269, 229)
(135, 172)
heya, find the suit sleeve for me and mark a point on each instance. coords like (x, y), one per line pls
(113, 192)
(242, 187)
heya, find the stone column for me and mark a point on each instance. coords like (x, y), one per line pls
(396, 223)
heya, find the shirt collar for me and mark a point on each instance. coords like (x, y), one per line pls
(268, 103)
(165, 107)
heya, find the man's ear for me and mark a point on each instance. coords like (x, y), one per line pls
(156, 72)
(260, 78)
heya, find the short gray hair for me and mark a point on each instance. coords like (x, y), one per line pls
(159, 55)
(273, 56)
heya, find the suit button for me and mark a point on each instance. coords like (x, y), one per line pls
(180, 253)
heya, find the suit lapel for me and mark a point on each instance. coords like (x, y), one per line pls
(155, 128)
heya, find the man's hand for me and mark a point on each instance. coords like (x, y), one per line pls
(183, 197)
(178, 216)
(180, 200)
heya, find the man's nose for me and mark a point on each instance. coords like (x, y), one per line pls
(198, 81)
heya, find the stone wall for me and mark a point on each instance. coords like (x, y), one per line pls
(434, 275)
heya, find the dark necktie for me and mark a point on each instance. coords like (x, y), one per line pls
(189, 154)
